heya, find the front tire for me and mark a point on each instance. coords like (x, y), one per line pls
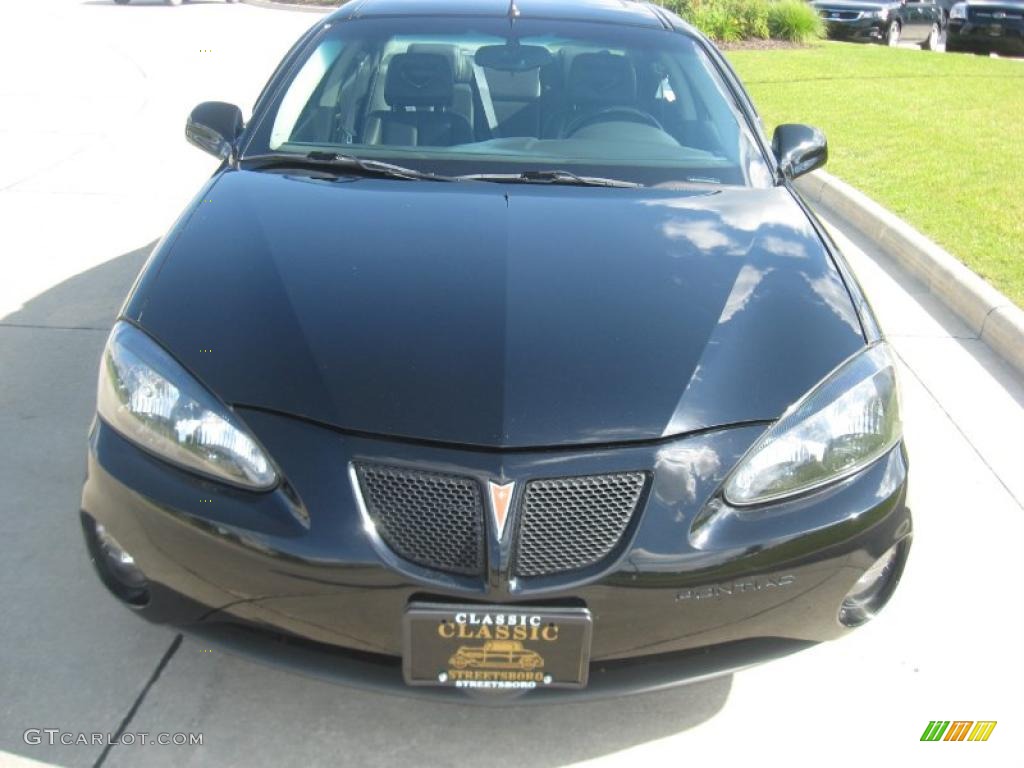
(892, 35)
(932, 42)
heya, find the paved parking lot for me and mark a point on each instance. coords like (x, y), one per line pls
(93, 168)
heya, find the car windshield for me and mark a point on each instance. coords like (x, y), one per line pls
(469, 96)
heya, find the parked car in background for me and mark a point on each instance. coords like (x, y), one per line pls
(983, 26)
(912, 21)
(946, 6)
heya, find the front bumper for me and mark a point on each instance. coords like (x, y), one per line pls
(293, 576)
(862, 29)
(1004, 35)
(383, 674)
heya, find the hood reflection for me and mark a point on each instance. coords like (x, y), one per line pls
(835, 296)
(679, 468)
(746, 283)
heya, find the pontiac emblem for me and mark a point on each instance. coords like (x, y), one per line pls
(501, 496)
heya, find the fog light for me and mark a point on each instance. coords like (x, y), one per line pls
(118, 560)
(873, 589)
(116, 567)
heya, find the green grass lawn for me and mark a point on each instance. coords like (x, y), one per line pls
(936, 138)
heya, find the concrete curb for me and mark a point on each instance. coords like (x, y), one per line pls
(323, 9)
(990, 315)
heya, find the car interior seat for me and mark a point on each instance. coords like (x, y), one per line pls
(419, 89)
(463, 101)
(595, 81)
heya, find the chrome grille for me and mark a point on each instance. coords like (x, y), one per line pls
(988, 13)
(431, 519)
(836, 14)
(574, 522)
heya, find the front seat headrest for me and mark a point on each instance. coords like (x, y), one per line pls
(602, 79)
(419, 80)
(462, 68)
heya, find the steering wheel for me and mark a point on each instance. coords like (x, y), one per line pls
(608, 114)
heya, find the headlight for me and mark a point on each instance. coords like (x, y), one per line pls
(150, 399)
(958, 11)
(882, 14)
(847, 421)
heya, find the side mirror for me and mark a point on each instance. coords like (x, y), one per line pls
(799, 149)
(214, 126)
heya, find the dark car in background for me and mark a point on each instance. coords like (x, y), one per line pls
(911, 21)
(985, 26)
(500, 353)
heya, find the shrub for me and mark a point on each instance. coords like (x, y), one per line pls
(794, 20)
(732, 20)
(716, 20)
(753, 16)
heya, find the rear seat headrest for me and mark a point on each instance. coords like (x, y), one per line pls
(602, 78)
(419, 80)
(514, 86)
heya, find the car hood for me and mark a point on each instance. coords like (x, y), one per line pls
(498, 315)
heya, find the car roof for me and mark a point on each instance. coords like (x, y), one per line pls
(633, 12)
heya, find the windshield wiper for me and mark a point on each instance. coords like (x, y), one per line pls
(336, 161)
(548, 177)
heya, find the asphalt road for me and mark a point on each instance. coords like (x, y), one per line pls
(93, 168)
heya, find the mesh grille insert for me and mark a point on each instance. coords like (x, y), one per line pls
(573, 522)
(428, 518)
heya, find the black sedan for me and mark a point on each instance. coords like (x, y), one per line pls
(500, 353)
(910, 21)
(985, 26)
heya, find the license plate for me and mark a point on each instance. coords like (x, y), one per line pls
(496, 647)
(995, 30)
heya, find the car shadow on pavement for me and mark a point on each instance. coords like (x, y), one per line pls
(288, 719)
(76, 659)
(69, 655)
(89, 300)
